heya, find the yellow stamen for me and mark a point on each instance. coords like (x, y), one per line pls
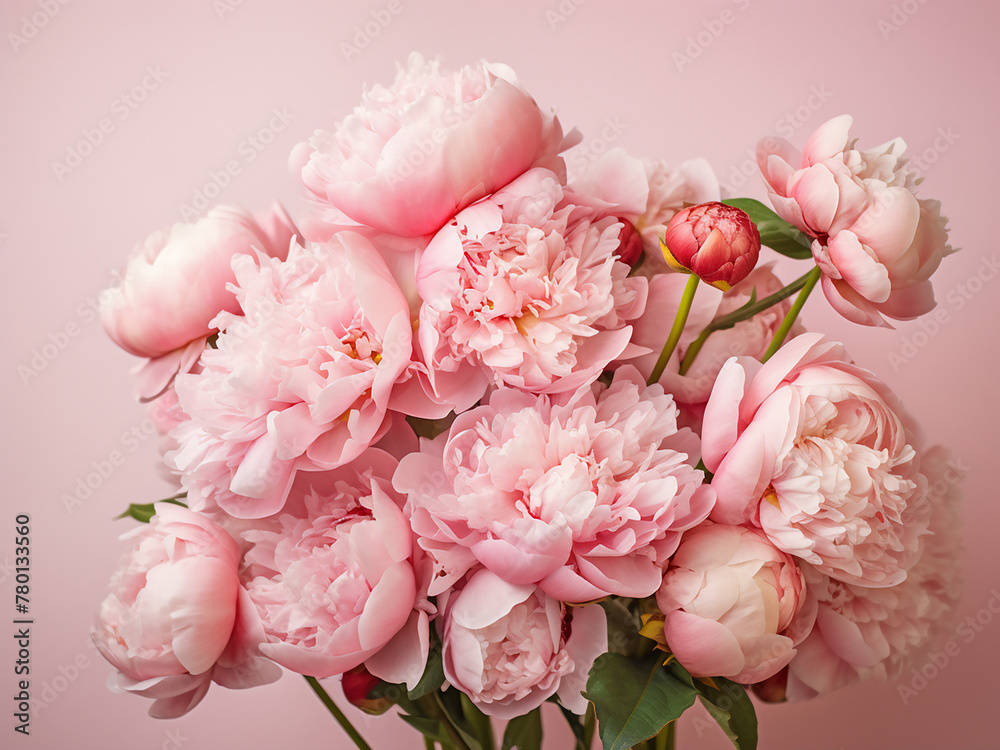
(772, 497)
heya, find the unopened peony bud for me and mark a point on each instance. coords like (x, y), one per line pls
(358, 684)
(716, 242)
(729, 600)
(773, 689)
(630, 243)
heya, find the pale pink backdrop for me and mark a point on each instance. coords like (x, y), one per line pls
(184, 86)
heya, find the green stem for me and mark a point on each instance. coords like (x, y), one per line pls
(480, 723)
(744, 313)
(431, 704)
(589, 726)
(667, 737)
(779, 336)
(675, 332)
(429, 744)
(337, 713)
(664, 740)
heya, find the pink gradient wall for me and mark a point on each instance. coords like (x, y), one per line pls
(185, 86)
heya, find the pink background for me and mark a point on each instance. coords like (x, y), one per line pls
(925, 71)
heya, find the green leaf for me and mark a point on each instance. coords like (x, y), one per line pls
(395, 694)
(623, 628)
(432, 678)
(429, 728)
(145, 512)
(730, 705)
(636, 698)
(478, 721)
(524, 732)
(141, 513)
(450, 702)
(775, 232)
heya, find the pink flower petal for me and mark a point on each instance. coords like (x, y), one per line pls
(828, 140)
(889, 224)
(704, 647)
(815, 191)
(865, 274)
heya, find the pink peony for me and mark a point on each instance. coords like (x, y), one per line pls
(670, 190)
(336, 586)
(729, 598)
(629, 244)
(510, 647)
(301, 381)
(749, 338)
(585, 494)
(176, 282)
(875, 242)
(862, 632)
(177, 619)
(716, 242)
(414, 154)
(647, 194)
(524, 289)
(814, 451)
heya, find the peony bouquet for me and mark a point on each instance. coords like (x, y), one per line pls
(473, 434)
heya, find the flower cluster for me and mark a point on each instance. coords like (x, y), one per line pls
(437, 432)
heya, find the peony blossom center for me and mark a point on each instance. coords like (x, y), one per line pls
(329, 589)
(846, 492)
(358, 345)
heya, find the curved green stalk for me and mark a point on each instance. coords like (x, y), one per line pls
(675, 332)
(667, 737)
(431, 704)
(793, 313)
(337, 713)
(589, 726)
(743, 313)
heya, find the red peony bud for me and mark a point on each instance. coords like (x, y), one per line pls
(629, 243)
(358, 684)
(716, 242)
(772, 690)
